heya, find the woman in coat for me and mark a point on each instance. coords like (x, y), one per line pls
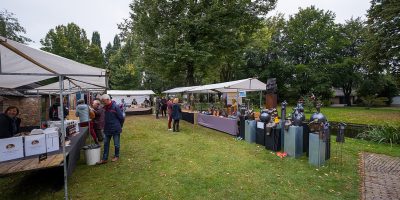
(9, 122)
(176, 114)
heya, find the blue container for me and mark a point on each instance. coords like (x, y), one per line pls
(250, 131)
(294, 141)
(316, 151)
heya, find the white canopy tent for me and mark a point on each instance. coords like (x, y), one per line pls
(249, 84)
(129, 95)
(21, 65)
(186, 89)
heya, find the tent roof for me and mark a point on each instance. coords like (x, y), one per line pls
(179, 89)
(70, 86)
(130, 92)
(21, 59)
(249, 84)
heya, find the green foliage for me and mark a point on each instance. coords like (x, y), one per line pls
(71, 42)
(96, 39)
(382, 51)
(373, 100)
(10, 27)
(193, 42)
(305, 46)
(382, 134)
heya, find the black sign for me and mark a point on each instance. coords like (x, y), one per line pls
(42, 157)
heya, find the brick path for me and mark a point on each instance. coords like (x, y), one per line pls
(380, 176)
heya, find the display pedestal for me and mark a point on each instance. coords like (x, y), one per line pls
(242, 125)
(273, 140)
(294, 141)
(260, 133)
(250, 131)
(271, 100)
(317, 150)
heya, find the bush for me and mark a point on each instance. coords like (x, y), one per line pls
(382, 134)
(373, 100)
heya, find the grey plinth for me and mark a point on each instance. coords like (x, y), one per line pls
(250, 131)
(316, 150)
(294, 141)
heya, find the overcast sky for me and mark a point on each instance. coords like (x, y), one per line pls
(39, 16)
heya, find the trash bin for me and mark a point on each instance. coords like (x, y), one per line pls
(92, 153)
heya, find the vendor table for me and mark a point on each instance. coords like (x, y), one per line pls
(218, 123)
(189, 116)
(54, 159)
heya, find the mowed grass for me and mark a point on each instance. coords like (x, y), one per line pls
(360, 115)
(200, 163)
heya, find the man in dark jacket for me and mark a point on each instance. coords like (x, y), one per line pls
(53, 111)
(113, 122)
(9, 122)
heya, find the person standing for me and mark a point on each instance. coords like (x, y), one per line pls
(158, 107)
(163, 107)
(82, 111)
(9, 122)
(176, 114)
(98, 121)
(53, 111)
(169, 109)
(122, 107)
(113, 123)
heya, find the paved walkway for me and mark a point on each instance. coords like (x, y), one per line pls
(381, 176)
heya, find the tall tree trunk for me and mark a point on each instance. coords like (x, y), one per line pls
(189, 73)
(347, 93)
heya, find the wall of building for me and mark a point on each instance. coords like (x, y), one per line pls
(29, 108)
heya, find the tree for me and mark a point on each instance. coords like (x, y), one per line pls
(193, 42)
(67, 41)
(307, 43)
(383, 49)
(96, 39)
(71, 42)
(346, 72)
(10, 27)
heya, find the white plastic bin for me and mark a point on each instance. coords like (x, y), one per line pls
(92, 154)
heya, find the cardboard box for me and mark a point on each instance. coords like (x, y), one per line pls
(11, 148)
(52, 140)
(35, 144)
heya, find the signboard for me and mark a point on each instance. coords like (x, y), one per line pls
(242, 93)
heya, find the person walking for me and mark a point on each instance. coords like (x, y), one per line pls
(122, 107)
(98, 121)
(169, 109)
(176, 114)
(163, 107)
(158, 106)
(83, 111)
(113, 123)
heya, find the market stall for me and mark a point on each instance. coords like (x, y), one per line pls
(226, 120)
(21, 65)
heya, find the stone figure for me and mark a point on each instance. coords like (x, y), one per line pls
(298, 116)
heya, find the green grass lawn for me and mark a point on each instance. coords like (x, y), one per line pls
(200, 163)
(360, 115)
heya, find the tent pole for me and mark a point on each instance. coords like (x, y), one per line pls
(63, 137)
(260, 98)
